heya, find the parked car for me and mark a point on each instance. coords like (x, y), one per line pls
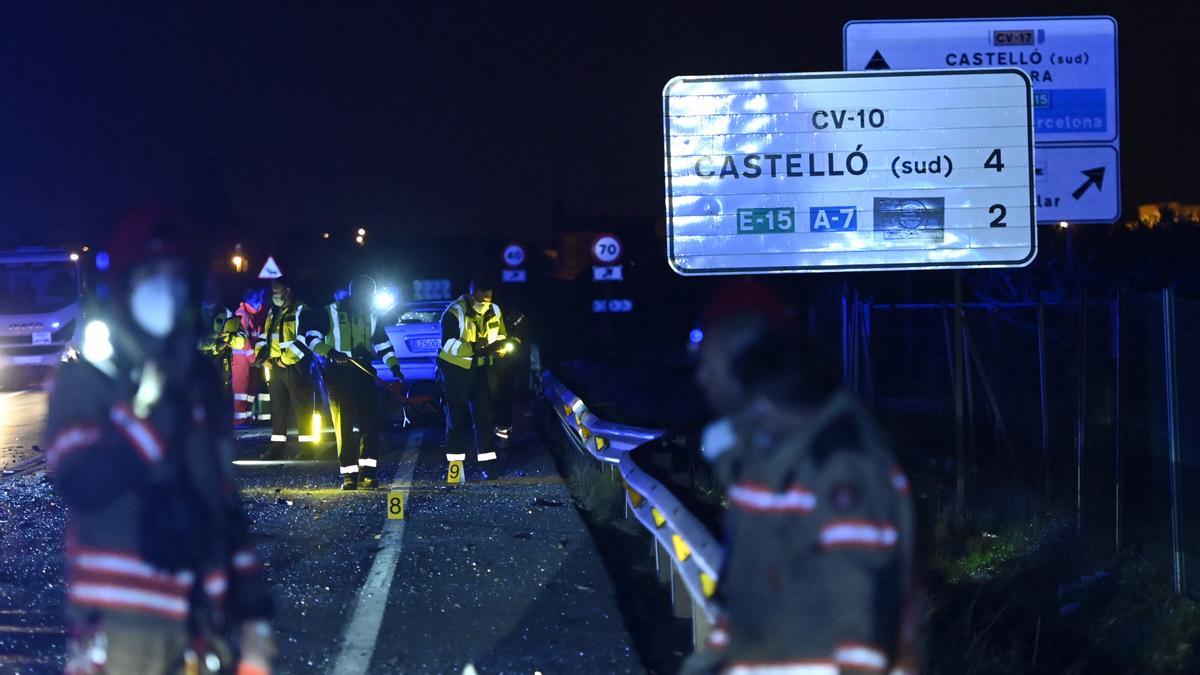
(416, 336)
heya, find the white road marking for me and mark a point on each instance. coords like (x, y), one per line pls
(358, 642)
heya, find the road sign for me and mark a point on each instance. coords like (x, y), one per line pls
(513, 276)
(612, 306)
(514, 255)
(1078, 184)
(849, 171)
(270, 270)
(1072, 62)
(606, 249)
(607, 273)
(431, 289)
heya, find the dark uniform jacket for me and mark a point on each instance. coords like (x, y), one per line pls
(817, 575)
(155, 527)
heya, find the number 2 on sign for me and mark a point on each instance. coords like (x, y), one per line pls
(455, 472)
(395, 505)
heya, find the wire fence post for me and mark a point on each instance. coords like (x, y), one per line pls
(1080, 410)
(1116, 350)
(1168, 307)
(1041, 338)
(959, 436)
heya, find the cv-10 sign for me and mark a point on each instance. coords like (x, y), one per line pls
(849, 171)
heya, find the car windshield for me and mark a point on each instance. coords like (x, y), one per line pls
(37, 287)
(420, 315)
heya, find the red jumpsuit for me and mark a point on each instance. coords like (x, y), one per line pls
(247, 381)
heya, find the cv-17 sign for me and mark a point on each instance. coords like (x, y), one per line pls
(849, 171)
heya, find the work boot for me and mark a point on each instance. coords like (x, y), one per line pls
(369, 483)
(349, 483)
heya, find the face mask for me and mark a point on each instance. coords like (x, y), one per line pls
(154, 302)
(277, 300)
(480, 307)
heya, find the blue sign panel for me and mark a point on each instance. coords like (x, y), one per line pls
(1072, 64)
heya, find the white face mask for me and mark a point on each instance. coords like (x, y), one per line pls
(154, 303)
(480, 307)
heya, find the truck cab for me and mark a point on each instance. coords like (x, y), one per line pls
(41, 295)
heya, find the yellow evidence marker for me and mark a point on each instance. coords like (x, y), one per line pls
(395, 505)
(455, 473)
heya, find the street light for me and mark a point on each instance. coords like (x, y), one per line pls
(362, 232)
(237, 262)
(74, 257)
(1062, 225)
(359, 240)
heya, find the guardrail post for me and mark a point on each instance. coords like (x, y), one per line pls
(681, 600)
(662, 562)
(700, 625)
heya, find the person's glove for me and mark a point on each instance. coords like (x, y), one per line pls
(258, 648)
(397, 373)
(338, 357)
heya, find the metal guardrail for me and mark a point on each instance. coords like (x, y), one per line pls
(694, 555)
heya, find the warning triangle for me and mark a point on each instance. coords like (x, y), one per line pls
(270, 270)
(877, 62)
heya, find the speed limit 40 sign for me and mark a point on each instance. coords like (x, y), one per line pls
(514, 255)
(606, 249)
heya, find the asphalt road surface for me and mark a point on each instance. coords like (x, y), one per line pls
(22, 417)
(499, 574)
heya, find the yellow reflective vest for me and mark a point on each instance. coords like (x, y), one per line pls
(352, 334)
(462, 328)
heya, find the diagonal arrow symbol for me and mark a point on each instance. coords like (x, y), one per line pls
(1094, 177)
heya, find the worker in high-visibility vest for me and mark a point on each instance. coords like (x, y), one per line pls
(292, 330)
(473, 336)
(356, 337)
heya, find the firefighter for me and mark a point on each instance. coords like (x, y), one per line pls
(161, 570)
(355, 339)
(251, 318)
(473, 336)
(292, 329)
(817, 573)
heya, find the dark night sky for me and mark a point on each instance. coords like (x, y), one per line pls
(445, 116)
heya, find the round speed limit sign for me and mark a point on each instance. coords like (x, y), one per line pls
(514, 255)
(606, 250)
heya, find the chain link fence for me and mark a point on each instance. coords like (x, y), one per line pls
(1023, 410)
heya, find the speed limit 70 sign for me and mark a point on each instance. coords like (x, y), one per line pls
(606, 249)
